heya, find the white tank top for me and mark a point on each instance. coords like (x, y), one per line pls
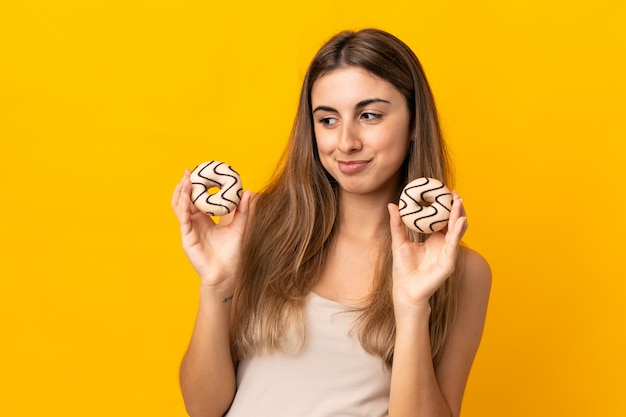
(333, 376)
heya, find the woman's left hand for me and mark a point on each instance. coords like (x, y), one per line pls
(419, 269)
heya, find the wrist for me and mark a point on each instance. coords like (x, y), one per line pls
(404, 300)
(221, 294)
(412, 312)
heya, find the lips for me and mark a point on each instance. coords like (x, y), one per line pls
(352, 167)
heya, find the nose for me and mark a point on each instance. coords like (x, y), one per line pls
(349, 139)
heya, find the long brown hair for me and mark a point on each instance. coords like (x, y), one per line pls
(291, 230)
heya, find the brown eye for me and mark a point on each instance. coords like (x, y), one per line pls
(328, 121)
(370, 117)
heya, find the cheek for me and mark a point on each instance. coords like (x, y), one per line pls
(398, 146)
(323, 142)
(395, 138)
(322, 149)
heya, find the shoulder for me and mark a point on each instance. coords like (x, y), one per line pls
(475, 275)
(475, 266)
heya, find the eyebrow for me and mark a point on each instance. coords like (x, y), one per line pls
(359, 105)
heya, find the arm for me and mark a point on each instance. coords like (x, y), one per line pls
(422, 389)
(464, 338)
(417, 388)
(207, 372)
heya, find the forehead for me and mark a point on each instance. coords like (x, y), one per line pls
(351, 84)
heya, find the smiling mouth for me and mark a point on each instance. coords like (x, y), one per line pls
(351, 167)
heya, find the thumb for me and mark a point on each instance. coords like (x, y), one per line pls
(398, 231)
(243, 210)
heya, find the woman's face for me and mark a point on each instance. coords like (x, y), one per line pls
(361, 127)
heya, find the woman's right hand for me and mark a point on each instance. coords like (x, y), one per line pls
(213, 249)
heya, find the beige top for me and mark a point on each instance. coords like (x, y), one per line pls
(332, 376)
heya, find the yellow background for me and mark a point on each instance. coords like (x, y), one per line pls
(104, 103)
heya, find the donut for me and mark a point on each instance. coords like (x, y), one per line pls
(425, 205)
(210, 175)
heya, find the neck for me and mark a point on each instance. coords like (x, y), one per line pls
(363, 216)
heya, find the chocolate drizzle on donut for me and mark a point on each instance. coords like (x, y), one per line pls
(425, 205)
(215, 174)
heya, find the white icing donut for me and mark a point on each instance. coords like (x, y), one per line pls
(211, 175)
(425, 205)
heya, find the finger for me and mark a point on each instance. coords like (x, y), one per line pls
(242, 213)
(460, 203)
(458, 210)
(244, 204)
(176, 194)
(455, 233)
(457, 224)
(454, 213)
(184, 205)
(398, 231)
(457, 207)
(178, 197)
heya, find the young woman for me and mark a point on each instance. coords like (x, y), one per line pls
(315, 300)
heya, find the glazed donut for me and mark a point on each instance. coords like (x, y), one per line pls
(214, 174)
(425, 205)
